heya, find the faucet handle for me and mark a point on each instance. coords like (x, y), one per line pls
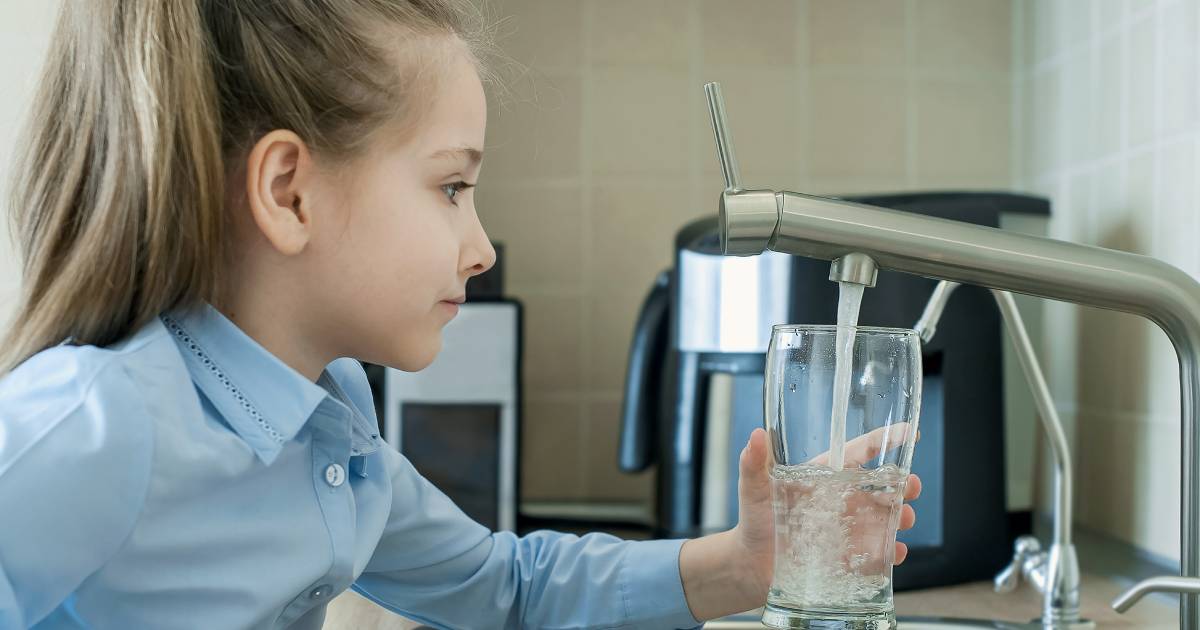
(716, 111)
(1025, 547)
(1161, 584)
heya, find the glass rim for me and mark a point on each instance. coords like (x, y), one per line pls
(832, 328)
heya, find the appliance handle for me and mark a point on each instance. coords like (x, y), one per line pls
(643, 379)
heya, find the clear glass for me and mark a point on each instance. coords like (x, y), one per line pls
(835, 530)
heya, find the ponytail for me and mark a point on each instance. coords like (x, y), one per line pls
(116, 209)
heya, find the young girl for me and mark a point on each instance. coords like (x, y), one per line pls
(220, 198)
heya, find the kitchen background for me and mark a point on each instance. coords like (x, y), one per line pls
(1093, 104)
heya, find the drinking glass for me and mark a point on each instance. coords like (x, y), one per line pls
(835, 530)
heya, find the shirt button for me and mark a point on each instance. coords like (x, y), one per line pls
(335, 475)
(320, 592)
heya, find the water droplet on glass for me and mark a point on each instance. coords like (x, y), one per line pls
(792, 387)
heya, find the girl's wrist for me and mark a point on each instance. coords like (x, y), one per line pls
(718, 576)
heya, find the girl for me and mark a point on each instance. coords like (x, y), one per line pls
(219, 199)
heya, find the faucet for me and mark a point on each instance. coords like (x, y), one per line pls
(754, 220)
(1054, 572)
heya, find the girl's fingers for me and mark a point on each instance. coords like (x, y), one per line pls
(753, 484)
(901, 552)
(912, 489)
(908, 517)
(868, 446)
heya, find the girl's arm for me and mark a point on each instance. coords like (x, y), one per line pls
(436, 565)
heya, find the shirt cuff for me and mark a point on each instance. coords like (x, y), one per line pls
(652, 587)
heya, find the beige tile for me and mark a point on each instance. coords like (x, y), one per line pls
(1155, 499)
(1135, 480)
(964, 34)
(1029, 144)
(633, 231)
(963, 128)
(1141, 7)
(1106, 94)
(1042, 26)
(553, 343)
(705, 199)
(1076, 203)
(1114, 362)
(764, 110)
(1060, 343)
(1109, 13)
(1178, 35)
(857, 127)
(1176, 208)
(637, 121)
(1044, 149)
(1141, 199)
(551, 433)
(1108, 481)
(613, 319)
(535, 132)
(639, 32)
(542, 230)
(1129, 364)
(1075, 23)
(603, 480)
(1163, 378)
(1079, 107)
(1109, 207)
(846, 186)
(762, 32)
(856, 32)
(1140, 81)
(539, 34)
(978, 182)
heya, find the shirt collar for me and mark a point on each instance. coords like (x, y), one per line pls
(264, 400)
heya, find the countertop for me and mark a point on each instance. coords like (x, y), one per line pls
(971, 601)
(977, 601)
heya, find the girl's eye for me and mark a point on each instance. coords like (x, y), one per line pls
(452, 189)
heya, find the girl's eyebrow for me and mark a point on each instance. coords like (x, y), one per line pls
(473, 155)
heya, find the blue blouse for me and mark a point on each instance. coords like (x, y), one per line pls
(187, 478)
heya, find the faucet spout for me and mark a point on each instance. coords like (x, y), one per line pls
(829, 229)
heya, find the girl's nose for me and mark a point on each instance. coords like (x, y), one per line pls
(481, 253)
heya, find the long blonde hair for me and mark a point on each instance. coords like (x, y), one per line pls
(118, 203)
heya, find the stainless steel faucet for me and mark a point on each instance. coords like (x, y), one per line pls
(1053, 572)
(756, 220)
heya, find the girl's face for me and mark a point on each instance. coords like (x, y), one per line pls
(403, 236)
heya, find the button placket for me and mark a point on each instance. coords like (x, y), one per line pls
(329, 428)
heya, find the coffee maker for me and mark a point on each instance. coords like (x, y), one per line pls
(694, 386)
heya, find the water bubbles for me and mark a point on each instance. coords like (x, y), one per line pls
(792, 388)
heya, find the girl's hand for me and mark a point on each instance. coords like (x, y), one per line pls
(731, 572)
(756, 518)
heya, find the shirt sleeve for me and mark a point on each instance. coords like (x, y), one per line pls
(75, 453)
(436, 565)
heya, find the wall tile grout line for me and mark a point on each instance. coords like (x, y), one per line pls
(587, 95)
(910, 95)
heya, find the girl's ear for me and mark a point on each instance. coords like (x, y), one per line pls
(279, 173)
